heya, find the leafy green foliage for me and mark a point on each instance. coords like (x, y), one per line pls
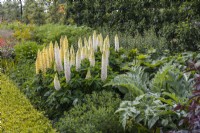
(15, 109)
(147, 112)
(24, 72)
(170, 79)
(52, 32)
(190, 120)
(26, 51)
(22, 31)
(95, 113)
(133, 84)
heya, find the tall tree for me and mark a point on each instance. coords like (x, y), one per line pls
(33, 12)
(11, 10)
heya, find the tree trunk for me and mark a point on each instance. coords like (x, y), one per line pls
(21, 11)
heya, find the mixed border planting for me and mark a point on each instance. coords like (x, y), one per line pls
(142, 79)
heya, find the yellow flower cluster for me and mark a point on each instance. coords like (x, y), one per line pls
(45, 59)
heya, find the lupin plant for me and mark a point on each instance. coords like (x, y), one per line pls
(57, 55)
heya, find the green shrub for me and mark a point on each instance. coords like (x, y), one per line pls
(23, 32)
(26, 51)
(52, 32)
(95, 114)
(6, 65)
(22, 73)
(17, 114)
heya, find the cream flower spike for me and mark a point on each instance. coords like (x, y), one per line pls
(47, 58)
(65, 43)
(86, 43)
(58, 61)
(78, 59)
(72, 56)
(62, 48)
(92, 58)
(44, 65)
(90, 42)
(104, 66)
(37, 66)
(94, 40)
(67, 70)
(56, 83)
(88, 75)
(80, 44)
(116, 43)
(51, 54)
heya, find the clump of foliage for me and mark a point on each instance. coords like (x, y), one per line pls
(147, 113)
(52, 32)
(6, 52)
(95, 113)
(25, 55)
(15, 109)
(131, 84)
(22, 31)
(152, 96)
(190, 122)
(6, 47)
(26, 51)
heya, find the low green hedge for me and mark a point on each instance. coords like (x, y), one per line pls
(17, 115)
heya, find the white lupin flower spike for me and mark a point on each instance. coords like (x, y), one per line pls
(56, 83)
(67, 66)
(104, 66)
(116, 43)
(58, 61)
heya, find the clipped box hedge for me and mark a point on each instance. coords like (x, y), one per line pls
(17, 115)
